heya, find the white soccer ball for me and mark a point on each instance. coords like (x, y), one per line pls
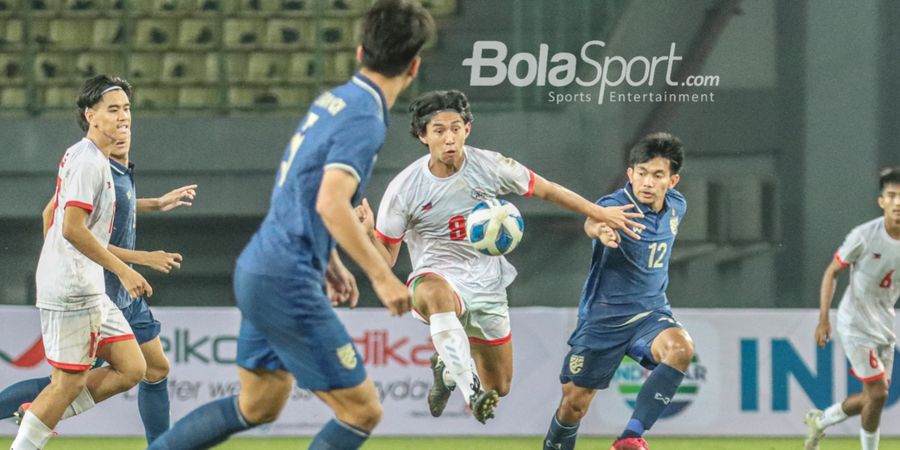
(495, 227)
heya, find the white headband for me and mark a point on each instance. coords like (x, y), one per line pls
(109, 89)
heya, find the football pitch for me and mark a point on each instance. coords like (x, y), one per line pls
(479, 443)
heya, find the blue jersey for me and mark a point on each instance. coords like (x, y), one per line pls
(123, 231)
(344, 129)
(633, 278)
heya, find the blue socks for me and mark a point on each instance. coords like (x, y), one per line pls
(655, 395)
(559, 436)
(22, 392)
(204, 427)
(153, 404)
(337, 435)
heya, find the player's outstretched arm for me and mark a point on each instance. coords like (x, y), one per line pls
(616, 217)
(367, 218)
(826, 294)
(333, 205)
(171, 200)
(160, 260)
(76, 232)
(47, 214)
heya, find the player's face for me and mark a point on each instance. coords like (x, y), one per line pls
(120, 150)
(111, 117)
(445, 136)
(889, 201)
(650, 181)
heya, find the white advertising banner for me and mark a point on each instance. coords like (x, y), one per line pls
(755, 373)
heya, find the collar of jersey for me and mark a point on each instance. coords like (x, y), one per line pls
(427, 159)
(120, 169)
(644, 209)
(369, 85)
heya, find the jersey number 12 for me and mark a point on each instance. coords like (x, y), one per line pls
(657, 253)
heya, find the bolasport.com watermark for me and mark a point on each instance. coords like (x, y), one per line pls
(610, 79)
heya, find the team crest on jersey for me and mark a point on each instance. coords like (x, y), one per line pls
(128, 195)
(673, 223)
(347, 356)
(576, 363)
(480, 195)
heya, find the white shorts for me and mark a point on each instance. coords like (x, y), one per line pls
(72, 338)
(869, 362)
(485, 318)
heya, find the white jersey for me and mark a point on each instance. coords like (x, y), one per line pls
(66, 278)
(429, 214)
(866, 311)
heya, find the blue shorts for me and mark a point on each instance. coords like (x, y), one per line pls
(289, 324)
(598, 345)
(143, 324)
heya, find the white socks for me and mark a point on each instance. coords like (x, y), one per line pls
(452, 345)
(82, 403)
(32, 435)
(832, 415)
(869, 441)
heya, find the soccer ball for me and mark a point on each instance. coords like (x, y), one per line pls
(495, 227)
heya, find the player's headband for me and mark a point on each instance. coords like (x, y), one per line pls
(108, 89)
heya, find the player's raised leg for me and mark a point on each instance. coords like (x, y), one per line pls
(434, 298)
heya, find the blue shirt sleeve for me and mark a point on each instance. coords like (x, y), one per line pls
(353, 149)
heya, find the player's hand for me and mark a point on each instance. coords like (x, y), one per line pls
(393, 294)
(178, 197)
(617, 218)
(162, 261)
(365, 215)
(135, 283)
(340, 286)
(606, 235)
(823, 333)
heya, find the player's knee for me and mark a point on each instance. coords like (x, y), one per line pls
(132, 373)
(157, 370)
(259, 411)
(435, 296)
(503, 387)
(69, 386)
(261, 416)
(877, 393)
(363, 415)
(679, 354)
(573, 408)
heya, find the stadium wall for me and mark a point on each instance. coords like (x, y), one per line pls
(756, 372)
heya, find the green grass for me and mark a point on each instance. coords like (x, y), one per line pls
(479, 443)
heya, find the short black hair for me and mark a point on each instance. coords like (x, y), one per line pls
(888, 175)
(92, 92)
(654, 145)
(423, 108)
(393, 33)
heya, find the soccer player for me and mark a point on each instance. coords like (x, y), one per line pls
(624, 309)
(79, 322)
(459, 292)
(865, 320)
(289, 330)
(153, 394)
